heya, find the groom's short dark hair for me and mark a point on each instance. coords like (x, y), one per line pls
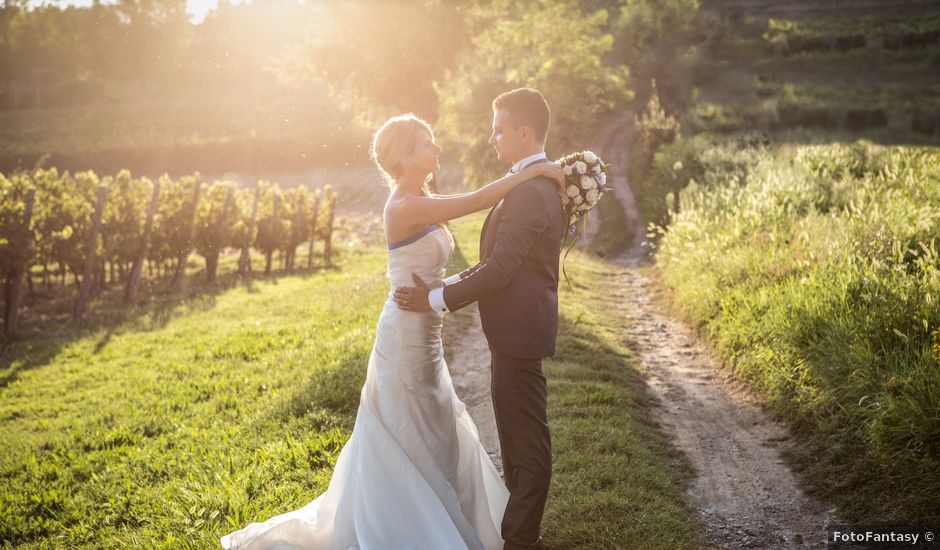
(528, 108)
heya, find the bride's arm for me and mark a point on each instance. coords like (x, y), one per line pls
(430, 210)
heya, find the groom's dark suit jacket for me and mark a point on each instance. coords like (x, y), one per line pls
(516, 281)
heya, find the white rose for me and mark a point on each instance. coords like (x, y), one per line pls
(589, 157)
(567, 170)
(580, 167)
(587, 182)
(579, 199)
(602, 178)
(592, 196)
(572, 191)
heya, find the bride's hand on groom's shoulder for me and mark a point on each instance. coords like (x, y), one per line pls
(557, 172)
(550, 170)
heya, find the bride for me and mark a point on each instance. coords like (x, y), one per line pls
(413, 473)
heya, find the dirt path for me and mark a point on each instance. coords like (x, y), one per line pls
(746, 495)
(611, 142)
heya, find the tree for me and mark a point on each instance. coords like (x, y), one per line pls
(243, 231)
(13, 255)
(214, 227)
(654, 37)
(298, 202)
(62, 220)
(123, 224)
(378, 57)
(173, 222)
(271, 226)
(153, 12)
(551, 46)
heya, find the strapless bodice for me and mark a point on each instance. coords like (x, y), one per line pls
(426, 255)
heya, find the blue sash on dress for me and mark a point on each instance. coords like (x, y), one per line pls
(414, 238)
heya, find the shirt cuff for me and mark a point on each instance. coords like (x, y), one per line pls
(436, 299)
(452, 279)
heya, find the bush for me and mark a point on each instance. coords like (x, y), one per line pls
(799, 116)
(816, 271)
(859, 119)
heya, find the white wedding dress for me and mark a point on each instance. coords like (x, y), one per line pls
(413, 474)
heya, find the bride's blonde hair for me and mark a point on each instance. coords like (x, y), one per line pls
(395, 140)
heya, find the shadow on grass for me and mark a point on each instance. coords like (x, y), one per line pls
(330, 396)
(42, 336)
(619, 480)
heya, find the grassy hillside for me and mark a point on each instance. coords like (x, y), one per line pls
(218, 129)
(799, 68)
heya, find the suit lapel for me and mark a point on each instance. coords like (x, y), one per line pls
(484, 249)
(486, 225)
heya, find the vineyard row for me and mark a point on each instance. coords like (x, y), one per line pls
(106, 230)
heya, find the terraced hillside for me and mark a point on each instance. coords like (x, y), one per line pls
(846, 69)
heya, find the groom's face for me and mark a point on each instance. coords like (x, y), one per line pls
(506, 137)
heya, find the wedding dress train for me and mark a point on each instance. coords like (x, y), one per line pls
(414, 474)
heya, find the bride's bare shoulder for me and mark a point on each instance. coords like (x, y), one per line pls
(395, 202)
(395, 216)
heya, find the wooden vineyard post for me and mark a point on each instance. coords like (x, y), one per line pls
(244, 260)
(85, 288)
(133, 281)
(275, 220)
(212, 255)
(328, 244)
(180, 273)
(19, 269)
(313, 230)
(226, 220)
(295, 235)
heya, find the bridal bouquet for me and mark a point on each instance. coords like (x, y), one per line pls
(586, 182)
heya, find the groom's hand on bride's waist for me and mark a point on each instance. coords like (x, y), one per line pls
(413, 298)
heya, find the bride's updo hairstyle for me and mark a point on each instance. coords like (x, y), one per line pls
(395, 140)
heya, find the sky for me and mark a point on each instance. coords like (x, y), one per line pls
(197, 9)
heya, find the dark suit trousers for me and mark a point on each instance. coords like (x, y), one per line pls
(520, 399)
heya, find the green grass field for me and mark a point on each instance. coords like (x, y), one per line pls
(167, 427)
(164, 432)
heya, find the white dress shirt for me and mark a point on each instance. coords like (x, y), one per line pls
(519, 166)
(436, 296)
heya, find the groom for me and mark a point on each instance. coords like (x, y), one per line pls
(516, 285)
